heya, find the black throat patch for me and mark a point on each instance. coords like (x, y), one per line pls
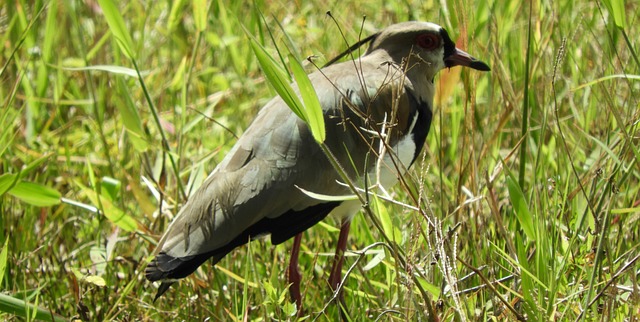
(423, 123)
(449, 45)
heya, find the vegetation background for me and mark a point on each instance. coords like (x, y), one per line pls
(528, 191)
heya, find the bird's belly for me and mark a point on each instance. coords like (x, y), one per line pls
(346, 210)
(385, 174)
(394, 163)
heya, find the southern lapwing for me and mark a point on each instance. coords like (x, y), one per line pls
(377, 111)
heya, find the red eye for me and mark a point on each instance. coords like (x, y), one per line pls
(428, 41)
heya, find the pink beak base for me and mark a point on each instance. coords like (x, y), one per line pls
(462, 58)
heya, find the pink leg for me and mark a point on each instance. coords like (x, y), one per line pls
(336, 271)
(294, 272)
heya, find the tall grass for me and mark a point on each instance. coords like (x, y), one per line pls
(522, 212)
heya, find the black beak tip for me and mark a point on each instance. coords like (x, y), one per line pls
(479, 65)
(461, 58)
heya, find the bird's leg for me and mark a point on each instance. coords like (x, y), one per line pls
(294, 272)
(336, 271)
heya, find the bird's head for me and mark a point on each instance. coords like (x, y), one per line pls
(425, 47)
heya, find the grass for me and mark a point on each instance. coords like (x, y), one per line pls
(527, 189)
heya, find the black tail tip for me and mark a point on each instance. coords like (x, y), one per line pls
(153, 273)
(164, 287)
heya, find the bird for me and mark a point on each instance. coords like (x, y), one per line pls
(377, 110)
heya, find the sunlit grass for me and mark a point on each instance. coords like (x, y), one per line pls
(87, 182)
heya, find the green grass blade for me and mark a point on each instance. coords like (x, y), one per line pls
(617, 10)
(525, 102)
(520, 208)
(604, 78)
(323, 197)
(3, 259)
(131, 119)
(389, 229)
(34, 165)
(245, 284)
(277, 77)
(24, 309)
(175, 14)
(8, 118)
(312, 107)
(118, 70)
(200, 14)
(118, 27)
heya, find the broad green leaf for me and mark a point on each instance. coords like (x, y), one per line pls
(433, 289)
(312, 107)
(388, 227)
(117, 27)
(24, 309)
(35, 194)
(278, 78)
(290, 309)
(8, 181)
(111, 186)
(114, 214)
(520, 208)
(618, 11)
(131, 119)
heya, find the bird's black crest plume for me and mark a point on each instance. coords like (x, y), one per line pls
(351, 49)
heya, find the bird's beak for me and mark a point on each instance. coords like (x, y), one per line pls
(461, 58)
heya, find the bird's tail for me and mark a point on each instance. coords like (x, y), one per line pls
(169, 269)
